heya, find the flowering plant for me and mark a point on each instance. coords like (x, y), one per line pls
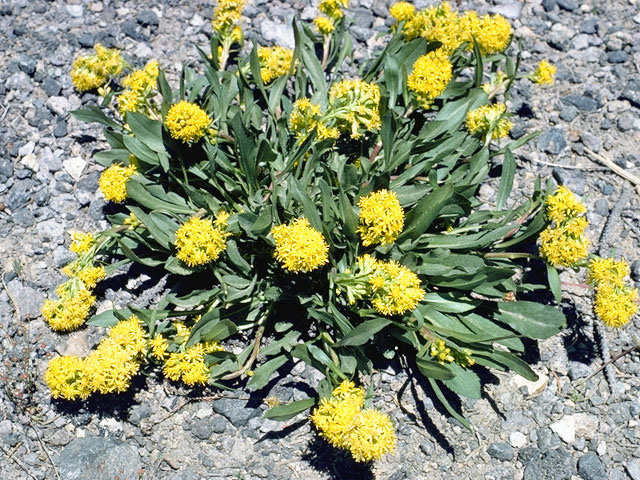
(316, 217)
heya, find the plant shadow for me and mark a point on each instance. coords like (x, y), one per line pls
(337, 464)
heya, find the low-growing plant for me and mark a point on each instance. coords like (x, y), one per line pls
(322, 218)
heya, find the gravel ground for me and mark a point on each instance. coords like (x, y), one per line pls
(553, 429)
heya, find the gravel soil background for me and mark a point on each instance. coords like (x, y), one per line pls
(555, 428)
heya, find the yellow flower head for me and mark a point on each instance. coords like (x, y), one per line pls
(93, 71)
(111, 367)
(354, 105)
(274, 62)
(607, 270)
(334, 416)
(347, 390)
(299, 246)
(402, 11)
(561, 249)
(381, 218)
(400, 292)
(66, 378)
(324, 25)
(68, 312)
(226, 15)
(88, 274)
(113, 182)
(493, 34)
(198, 241)
(563, 205)
(130, 336)
(438, 24)
(158, 347)
(615, 305)
(187, 122)
(81, 242)
(441, 352)
(189, 365)
(333, 8)
(140, 85)
(489, 118)
(430, 75)
(304, 117)
(371, 436)
(545, 73)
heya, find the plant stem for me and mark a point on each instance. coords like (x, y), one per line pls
(511, 255)
(252, 358)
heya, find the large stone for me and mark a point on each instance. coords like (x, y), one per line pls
(277, 33)
(633, 469)
(501, 451)
(234, 410)
(93, 458)
(29, 300)
(552, 141)
(556, 464)
(631, 92)
(590, 467)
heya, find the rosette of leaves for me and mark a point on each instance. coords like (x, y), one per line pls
(473, 260)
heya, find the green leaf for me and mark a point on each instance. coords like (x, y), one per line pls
(554, 282)
(425, 212)
(263, 373)
(447, 405)
(479, 71)
(532, 319)
(282, 413)
(139, 193)
(432, 369)
(221, 330)
(146, 130)
(449, 302)
(94, 114)
(363, 332)
(514, 363)
(108, 318)
(465, 382)
(506, 180)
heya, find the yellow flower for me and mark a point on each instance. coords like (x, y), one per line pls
(132, 221)
(381, 218)
(158, 346)
(299, 247)
(274, 62)
(563, 204)
(130, 336)
(326, 133)
(348, 390)
(544, 74)
(225, 16)
(441, 352)
(402, 11)
(354, 105)
(139, 87)
(81, 242)
(199, 242)
(113, 182)
(607, 270)
(66, 378)
(489, 118)
(187, 122)
(615, 305)
(493, 34)
(371, 436)
(69, 312)
(111, 367)
(401, 292)
(324, 25)
(333, 8)
(93, 71)
(430, 75)
(438, 24)
(304, 117)
(88, 274)
(189, 366)
(561, 249)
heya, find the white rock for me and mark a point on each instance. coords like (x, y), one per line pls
(59, 105)
(533, 388)
(637, 18)
(601, 449)
(633, 468)
(80, 433)
(196, 21)
(565, 428)
(111, 424)
(27, 148)
(204, 411)
(75, 11)
(74, 167)
(586, 425)
(517, 440)
(31, 162)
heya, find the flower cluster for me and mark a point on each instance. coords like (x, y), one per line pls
(187, 122)
(299, 246)
(304, 117)
(324, 25)
(94, 71)
(489, 121)
(201, 240)
(615, 301)
(275, 62)
(563, 243)
(443, 25)
(354, 107)
(226, 16)
(139, 88)
(108, 369)
(113, 182)
(333, 10)
(430, 75)
(367, 433)
(544, 73)
(444, 354)
(75, 298)
(381, 218)
(188, 364)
